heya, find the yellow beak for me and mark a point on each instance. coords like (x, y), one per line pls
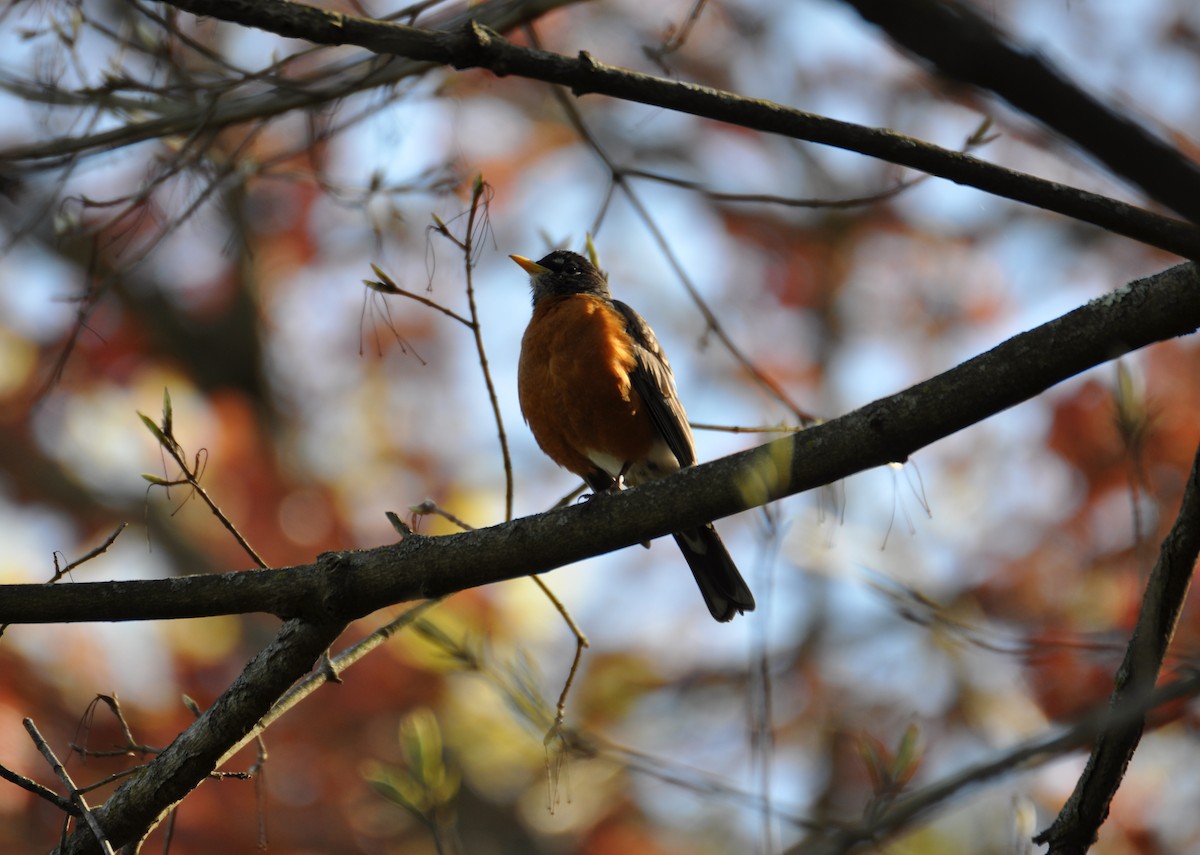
(530, 267)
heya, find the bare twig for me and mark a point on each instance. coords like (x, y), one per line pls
(761, 377)
(165, 435)
(431, 507)
(979, 137)
(385, 285)
(131, 746)
(59, 572)
(76, 796)
(580, 643)
(773, 199)
(675, 37)
(781, 428)
(65, 805)
(89, 555)
(481, 194)
(319, 678)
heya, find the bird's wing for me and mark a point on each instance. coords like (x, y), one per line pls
(653, 380)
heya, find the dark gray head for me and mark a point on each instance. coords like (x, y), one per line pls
(561, 273)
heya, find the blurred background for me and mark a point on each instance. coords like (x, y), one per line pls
(911, 620)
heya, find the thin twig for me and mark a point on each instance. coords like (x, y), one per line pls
(38, 790)
(480, 197)
(430, 507)
(76, 796)
(676, 37)
(319, 678)
(131, 746)
(385, 285)
(580, 643)
(113, 778)
(979, 137)
(59, 572)
(164, 433)
(773, 199)
(89, 555)
(748, 428)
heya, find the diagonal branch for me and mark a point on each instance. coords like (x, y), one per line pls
(347, 585)
(141, 801)
(963, 45)
(1075, 828)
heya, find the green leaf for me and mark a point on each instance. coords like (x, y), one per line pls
(384, 280)
(167, 415)
(907, 753)
(154, 429)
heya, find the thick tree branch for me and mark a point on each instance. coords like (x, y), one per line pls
(476, 46)
(345, 585)
(962, 44)
(141, 801)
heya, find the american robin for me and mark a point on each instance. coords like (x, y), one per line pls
(599, 396)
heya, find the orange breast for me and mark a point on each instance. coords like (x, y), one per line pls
(574, 386)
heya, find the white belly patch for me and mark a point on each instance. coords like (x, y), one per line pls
(660, 463)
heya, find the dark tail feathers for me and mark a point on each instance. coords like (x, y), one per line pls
(724, 589)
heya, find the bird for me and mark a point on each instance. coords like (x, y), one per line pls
(599, 397)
